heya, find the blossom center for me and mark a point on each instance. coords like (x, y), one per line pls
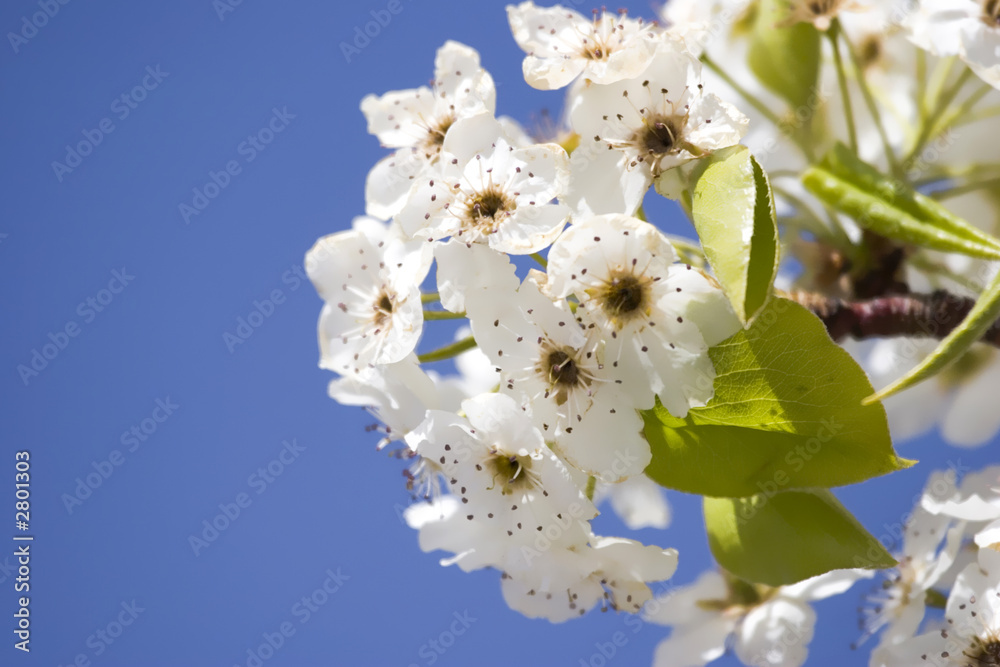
(624, 296)
(435, 134)
(383, 308)
(562, 369)
(991, 13)
(984, 651)
(487, 209)
(658, 136)
(822, 7)
(510, 472)
(870, 50)
(559, 367)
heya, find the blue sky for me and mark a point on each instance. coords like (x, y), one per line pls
(151, 411)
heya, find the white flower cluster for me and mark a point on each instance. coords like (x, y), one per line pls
(773, 626)
(937, 552)
(557, 363)
(507, 461)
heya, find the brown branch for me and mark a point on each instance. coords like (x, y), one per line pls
(932, 315)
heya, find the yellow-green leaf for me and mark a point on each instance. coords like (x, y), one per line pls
(787, 413)
(787, 537)
(733, 213)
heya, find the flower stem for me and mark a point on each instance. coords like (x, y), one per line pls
(845, 95)
(757, 104)
(442, 315)
(965, 188)
(537, 256)
(448, 351)
(430, 297)
(591, 485)
(929, 126)
(866, 92)
(744, 93)
(966, 106)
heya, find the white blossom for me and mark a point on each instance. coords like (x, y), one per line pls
(930, 545)
(371, 288)
(658, 317)
(768, 626)
(484, 190)
(415, 122)
(633, 130)
(562, 44)
(972, 635)
(969, 29)
(508, 482)
(567, 583)
(554, 366)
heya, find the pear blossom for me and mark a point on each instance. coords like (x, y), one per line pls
(700, 22)
(972, 635)
(464, 268)
(562, 44)
(397, 394)
(371, 288)
(497, 464)
(969, 29)
(819, 12)
(976, 500)
(637, 128)
(768, 626)
(415, 122)
(484, 190)
(930, 545)
(659, 318)
(567, 583)
(553, 365)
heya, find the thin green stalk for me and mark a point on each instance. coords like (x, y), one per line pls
(688, 251)
(982, 114)
(922, 262)
(448, 351)
(966, 188)
(922, 84)
(744, 93)
(591, 485)
(866, 92)
(757, 104)
(831, 230)
(929, 126)
(538, 258)
(966, 106)
(430, 297)
(845, 95)
(430, 315)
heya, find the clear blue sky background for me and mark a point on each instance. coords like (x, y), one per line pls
(161, 337)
